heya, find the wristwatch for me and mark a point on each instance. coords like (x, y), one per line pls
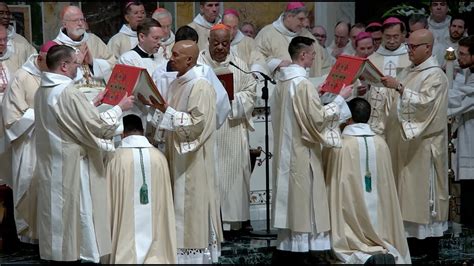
(399, 87)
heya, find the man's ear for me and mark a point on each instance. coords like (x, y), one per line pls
(141, 36)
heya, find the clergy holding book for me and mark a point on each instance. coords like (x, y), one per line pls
(233, 167)
(421, 151)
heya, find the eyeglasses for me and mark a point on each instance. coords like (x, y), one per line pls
(412, 47)
(76, 20)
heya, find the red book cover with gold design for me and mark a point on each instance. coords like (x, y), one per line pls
(129, 80)
(347, 70)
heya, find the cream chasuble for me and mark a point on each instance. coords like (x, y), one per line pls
(71, 137)
(123, 41)
(190, 120)
(233, 166)
(245, 48)
(273, 41)
(21, 47)
(10, 61)
(300, 125)
(18, 117)
(203, 28)
(141, 233)
(365, 214)
(422, 154)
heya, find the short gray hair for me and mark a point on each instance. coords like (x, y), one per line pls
(295, 11)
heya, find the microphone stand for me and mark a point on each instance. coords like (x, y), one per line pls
(267, 234)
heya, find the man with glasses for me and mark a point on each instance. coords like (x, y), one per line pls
(94, 56)
(421, 153)
(391, 56)
(461, 107)
(341, 43)
(165, 19)
(71, 137)
(126, 38)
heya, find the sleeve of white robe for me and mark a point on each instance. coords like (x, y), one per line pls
(461, 99)
(104, 60)
(244, 100)
(194, 126)
(18, 117)
(82, 121)
(417, 109)
(318, 123)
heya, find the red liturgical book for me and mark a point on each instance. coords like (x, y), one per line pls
(227, 79)
(131, 80)
(347, 70)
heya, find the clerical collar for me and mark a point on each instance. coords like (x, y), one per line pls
(142, 53)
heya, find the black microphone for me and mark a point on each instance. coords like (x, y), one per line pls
(251, 72)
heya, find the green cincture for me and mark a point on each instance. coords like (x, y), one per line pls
(368, 176)
(144, 188)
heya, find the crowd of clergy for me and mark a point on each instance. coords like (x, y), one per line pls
(358, 177)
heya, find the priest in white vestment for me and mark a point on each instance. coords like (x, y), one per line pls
(242, 46)
(124, 40)
(71, 137)
(233, 151)
(10, 61)
(438, 21)
(461, 108)
(20, 44)
(301, 124)
(273, 41)
(421, 129)
(141, 212)
(95, 57)
(165, 19)
(341, 43)
(457, 30)
(365, 212)
(18, 117)
(202, 23)
(190, 120)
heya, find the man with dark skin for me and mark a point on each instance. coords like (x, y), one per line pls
(190, 119)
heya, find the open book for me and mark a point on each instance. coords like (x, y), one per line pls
(132, 80)
(227, 79)
(347, 70)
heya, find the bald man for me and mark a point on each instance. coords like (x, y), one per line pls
(95, 57)
(233, 167)
(242, 46)
(165, 19)
(422, 175)
(341, 43)
(190, 119)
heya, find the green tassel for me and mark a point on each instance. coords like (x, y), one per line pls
(368, 182)
(144, 194)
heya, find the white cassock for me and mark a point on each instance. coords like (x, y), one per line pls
(365, 214)
(203, 28)
(141, 232)
(71, 137)
(190, 123)
(18, 117)
(123, 41)
(301, 125)
(461, 106)
(91, 80)
(233, 166)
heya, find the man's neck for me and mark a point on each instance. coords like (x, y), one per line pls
(438, 20)
(144, 50)
(454, 40)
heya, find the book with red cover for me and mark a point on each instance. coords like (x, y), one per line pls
(132, 80)
(347, 70)
(227, 79)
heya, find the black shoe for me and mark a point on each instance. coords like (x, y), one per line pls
(380, 259)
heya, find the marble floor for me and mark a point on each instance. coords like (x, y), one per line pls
(456, 247)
